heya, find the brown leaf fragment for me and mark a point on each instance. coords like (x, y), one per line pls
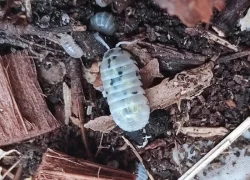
(56, 165)
(155, 144)
(191, 12)
(185, 85)
(93, 76)
(149, 72)
(24, 113)
(103, 124)
(137, 50)
(230, 103)
(204, 132)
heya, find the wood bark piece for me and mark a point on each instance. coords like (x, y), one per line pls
(56, 165)
(227, 19)
(170, 59)
(24, 113)
(185, 85)
(78, 99)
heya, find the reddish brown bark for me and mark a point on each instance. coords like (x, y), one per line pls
(23, 111)
(56, 165)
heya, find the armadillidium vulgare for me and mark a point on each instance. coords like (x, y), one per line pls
(103, 22)
(141, 172)
(103, 3)
(122, 87)
(69, 45)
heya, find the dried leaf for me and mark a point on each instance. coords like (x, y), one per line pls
(103, 124)
(185, 85)
(93, 75)
(204, 132)
(142, 53)
(191, 11)
(149, 72)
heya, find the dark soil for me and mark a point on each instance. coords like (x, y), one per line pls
(230, 82)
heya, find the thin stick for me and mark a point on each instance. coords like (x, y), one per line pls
(233, 56)
(99, 147)
(12, 167)
(217, 150)
(137, 155)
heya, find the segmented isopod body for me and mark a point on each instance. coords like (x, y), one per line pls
(141, 172)
(122, 87)
(103, 22)
(70, 46)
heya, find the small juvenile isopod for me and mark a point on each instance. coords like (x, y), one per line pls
(141, 172)
(70, 46)
(122, 87)
(103, 22)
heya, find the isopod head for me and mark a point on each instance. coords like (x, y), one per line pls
(122, 87)
(103, 22)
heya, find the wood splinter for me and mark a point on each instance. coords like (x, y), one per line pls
(56, 165)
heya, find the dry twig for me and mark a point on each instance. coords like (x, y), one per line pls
(210, 36)
(204, 132)
(78, 99)
(231, 57)
(137, 155)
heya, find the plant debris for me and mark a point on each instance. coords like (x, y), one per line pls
(185, 85)
(103, 124)
(150, 72)
(191, 11)
(24, 111)
(204, 132)
(56, 165)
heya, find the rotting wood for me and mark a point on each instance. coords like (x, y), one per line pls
(204, 132)
(227, 19)
(185, 85)
(24, 113)
(56, 165)
(78, 99)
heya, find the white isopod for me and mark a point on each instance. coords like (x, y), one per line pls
(122, 87)
(103, 22)
(141, 172)
(70, 46)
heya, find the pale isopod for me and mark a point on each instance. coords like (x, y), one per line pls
(103, 22)
(70, 46)
(141, 172)
(122, 87)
